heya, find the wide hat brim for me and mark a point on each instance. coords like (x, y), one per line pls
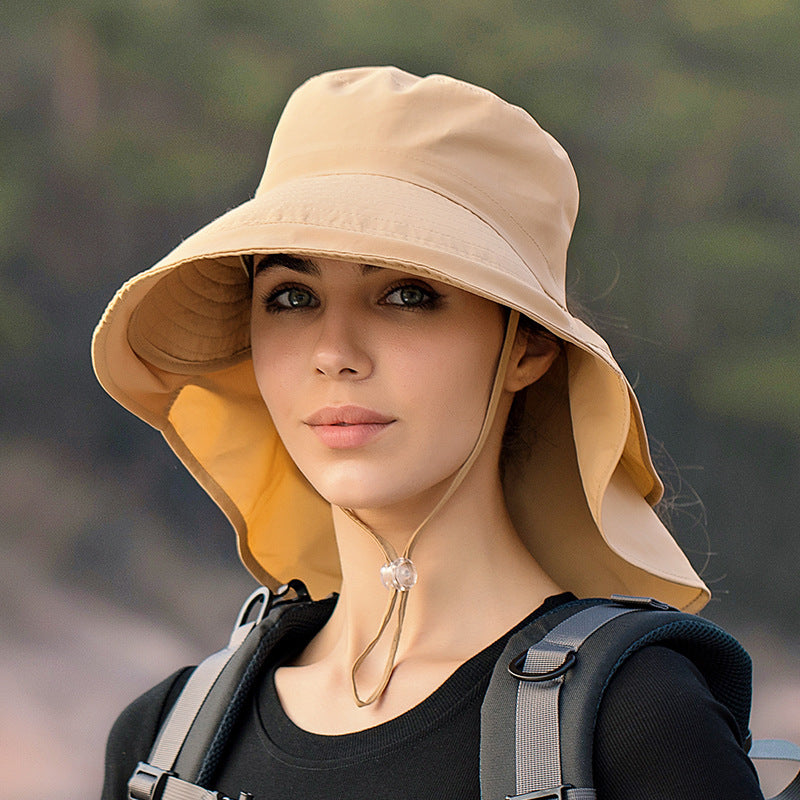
(173, 347)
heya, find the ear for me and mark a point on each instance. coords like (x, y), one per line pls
(531, 356)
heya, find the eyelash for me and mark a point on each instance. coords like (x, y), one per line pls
(270, 299)
(431, 299)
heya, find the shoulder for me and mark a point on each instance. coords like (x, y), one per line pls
(661, 733)
(135, 730)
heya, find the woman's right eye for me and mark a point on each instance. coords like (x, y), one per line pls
(290, 298)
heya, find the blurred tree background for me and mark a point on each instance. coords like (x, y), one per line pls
(127, 125)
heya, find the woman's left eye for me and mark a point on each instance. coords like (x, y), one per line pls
(411, 295)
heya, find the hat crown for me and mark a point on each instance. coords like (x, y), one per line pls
(444, 135)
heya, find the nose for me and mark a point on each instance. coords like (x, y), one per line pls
(341, 347)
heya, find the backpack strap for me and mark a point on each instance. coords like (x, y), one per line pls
(191, 741)
(779, 750)
(538, 718)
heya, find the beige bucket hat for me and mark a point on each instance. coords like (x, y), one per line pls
(436, 177)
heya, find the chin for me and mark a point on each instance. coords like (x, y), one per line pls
(379, 483)
(368, 493)
(361, 496)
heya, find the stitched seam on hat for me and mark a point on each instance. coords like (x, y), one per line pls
(455, 173)
(489, 225)
(188, 354)
(287, 220)
(205, 298)
(437, 232)
(177, 324)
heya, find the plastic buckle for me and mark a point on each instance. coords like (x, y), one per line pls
(147, 782)
(265, 600)
(295, 585)
(516, 668)
(556, 793)
(260, 604)
(261, 596)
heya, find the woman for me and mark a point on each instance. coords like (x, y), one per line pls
(340, 363)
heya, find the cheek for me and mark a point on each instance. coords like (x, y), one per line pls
(273, 364)
(451, 385)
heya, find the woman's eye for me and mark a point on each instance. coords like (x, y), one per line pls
(411, 296)
(290, 298)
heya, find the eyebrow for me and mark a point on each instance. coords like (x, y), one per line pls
(304, 266)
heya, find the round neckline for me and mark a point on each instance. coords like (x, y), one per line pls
(291, 744)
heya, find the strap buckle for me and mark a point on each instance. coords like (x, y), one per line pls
(556, 793)
(262, 601)
(147, 782)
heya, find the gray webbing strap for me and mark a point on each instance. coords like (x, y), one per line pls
(153, 779)
(538, 751)
(167, 746)
(779, 750)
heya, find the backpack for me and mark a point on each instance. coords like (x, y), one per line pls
(542, 698)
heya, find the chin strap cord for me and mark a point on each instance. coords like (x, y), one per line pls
(398, 574)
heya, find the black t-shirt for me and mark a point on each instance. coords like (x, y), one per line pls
(660, 735)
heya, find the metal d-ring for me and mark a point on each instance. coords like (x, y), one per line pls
(516, 668)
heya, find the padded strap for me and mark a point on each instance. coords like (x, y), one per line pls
(170, 739)
(173, 733)
(157, 779)
(779, 750)
(541, 675)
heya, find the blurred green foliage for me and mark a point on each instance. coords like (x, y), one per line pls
(127, 124)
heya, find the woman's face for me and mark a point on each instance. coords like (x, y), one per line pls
(377, 381)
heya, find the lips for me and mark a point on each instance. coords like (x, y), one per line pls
(347, 415)
(347, 427)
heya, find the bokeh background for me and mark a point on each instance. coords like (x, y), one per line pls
(125, 125)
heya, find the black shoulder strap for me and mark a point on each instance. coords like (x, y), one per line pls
(538, 718)
(192, 739)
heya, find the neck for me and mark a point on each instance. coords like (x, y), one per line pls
(468, 555)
